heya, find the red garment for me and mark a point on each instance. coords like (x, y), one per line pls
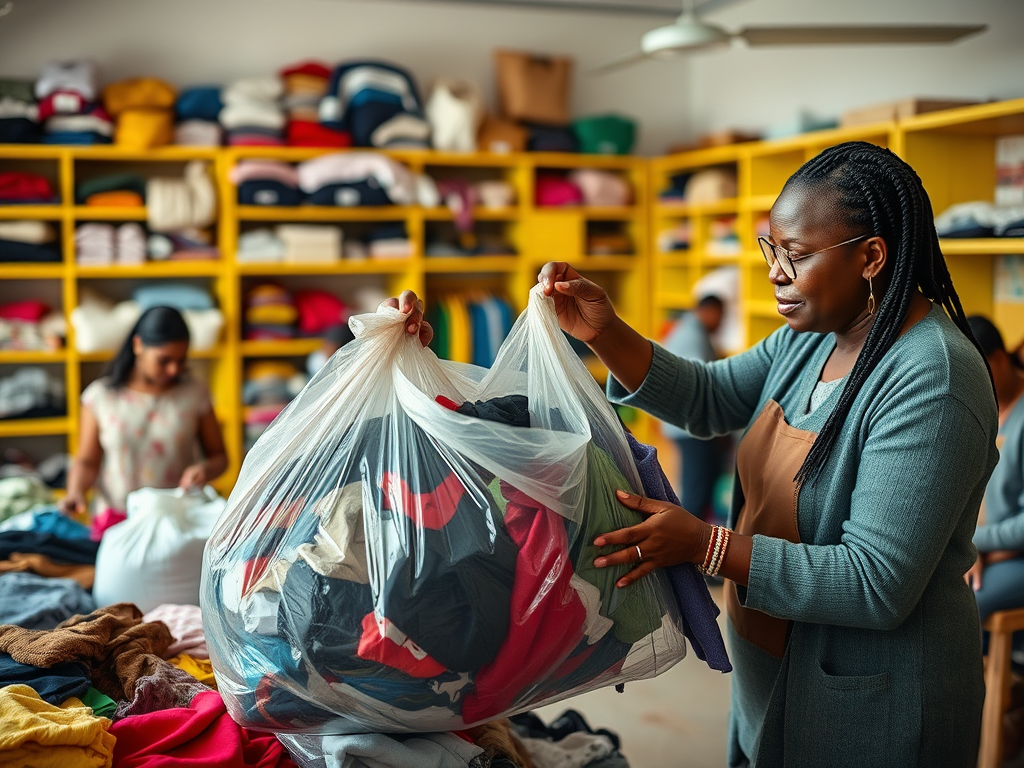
(405, 656)
(305, 133)
(63, 102)
(26, 311)
(318, 311)
(547, 615)
(432, 510)
(448, 403)
(555, 191)
(203, 734)
(18, 185)
(313, 68)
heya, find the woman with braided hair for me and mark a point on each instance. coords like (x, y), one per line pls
(870, 425)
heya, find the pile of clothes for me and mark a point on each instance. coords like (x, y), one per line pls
(586, 186)
(112, 190)
(100, 244)
(51, 472)
(980, 219)
(305, 84)
(252, 113)
(484, 598)
(268, 387)
(31, 325)
(32, 392)
(143, 108)
(196, 113)
(29, 241)
(269, 314)
(24, 188)
(19, 113)
(69, 105)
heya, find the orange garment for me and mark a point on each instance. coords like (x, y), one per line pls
(115, 199)
(44, 566)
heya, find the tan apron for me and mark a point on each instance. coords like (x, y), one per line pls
(767, 460)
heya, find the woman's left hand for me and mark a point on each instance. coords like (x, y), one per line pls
(669, 536)
(193, 477)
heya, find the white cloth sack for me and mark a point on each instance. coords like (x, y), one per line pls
(455, 110)
(156, 555)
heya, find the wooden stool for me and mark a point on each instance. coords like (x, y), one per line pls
(1000, 625)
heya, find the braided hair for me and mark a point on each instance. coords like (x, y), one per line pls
(881, 194)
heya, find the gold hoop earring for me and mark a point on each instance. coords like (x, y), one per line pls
(871, 298)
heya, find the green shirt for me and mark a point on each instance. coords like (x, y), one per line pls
(883, 665)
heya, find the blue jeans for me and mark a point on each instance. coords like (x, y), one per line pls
(701, 466)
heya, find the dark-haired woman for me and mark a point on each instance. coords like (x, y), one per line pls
(869, 433)
(146, 423)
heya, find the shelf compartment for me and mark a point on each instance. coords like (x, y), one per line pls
(467, 264)
(31, 357)
(102, 213)
(982, 246)
(510, 213)
(674, 259)
(283, 348)
(47, 212)
(326, 213)
(211, 268)
(30, 427)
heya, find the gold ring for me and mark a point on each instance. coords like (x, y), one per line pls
(639, 554)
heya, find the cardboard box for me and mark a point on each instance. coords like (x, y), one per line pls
(897, 110)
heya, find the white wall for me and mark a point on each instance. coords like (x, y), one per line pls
(764, 88)
(192, 41)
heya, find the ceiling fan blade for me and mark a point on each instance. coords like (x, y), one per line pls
(619, 63)
(858, 35)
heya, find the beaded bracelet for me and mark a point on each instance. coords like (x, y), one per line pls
(713, 542)
(717, 546)
(721, 557)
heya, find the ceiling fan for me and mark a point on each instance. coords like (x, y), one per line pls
(690, 33)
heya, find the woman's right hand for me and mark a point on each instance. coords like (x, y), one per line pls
(584, 309)
(72, 506)
(408, 303)
(973, 576)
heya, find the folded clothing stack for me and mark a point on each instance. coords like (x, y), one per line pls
(176, 204)
(197, 111)
(269, 386)
(266, 182)
(553, 191)
(31, 326)
(28, 241)
(32, 393)
(318, 311)
(98, 244)
(143, 108)
(305, 243)
(120, 190)
(68, 105)
(305, 84)
(260, 245)
(252, 115)
(23, 188)
(377, 103)
(19, 113)
(360, 179)
(602, 188)
(187, 245)
(270, 313)
(389, 242)
(980, 219)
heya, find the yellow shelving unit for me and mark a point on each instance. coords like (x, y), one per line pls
(228, 279)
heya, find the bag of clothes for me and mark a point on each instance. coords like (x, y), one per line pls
(409, 546)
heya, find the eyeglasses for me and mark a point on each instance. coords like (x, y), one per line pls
(786, 259)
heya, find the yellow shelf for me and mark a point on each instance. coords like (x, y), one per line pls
(17, 212)
(158, 154)
(101, 213)
(108, 354)
(674, 259)
(763, 308)
(34, 357)
(479, 214)
(325, 213)
(989, 246)
(611, 213)
(449, 264)
(285, 348)
(51, 271)
(33, 427)
(673, 301)
(608, 263)
(761, 202)
(560, 160)
(344, 267)
(198, 268)
(717, 208)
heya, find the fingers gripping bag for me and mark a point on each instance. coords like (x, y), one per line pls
(409, 546)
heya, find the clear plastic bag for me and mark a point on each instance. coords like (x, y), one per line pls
(386, 564)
